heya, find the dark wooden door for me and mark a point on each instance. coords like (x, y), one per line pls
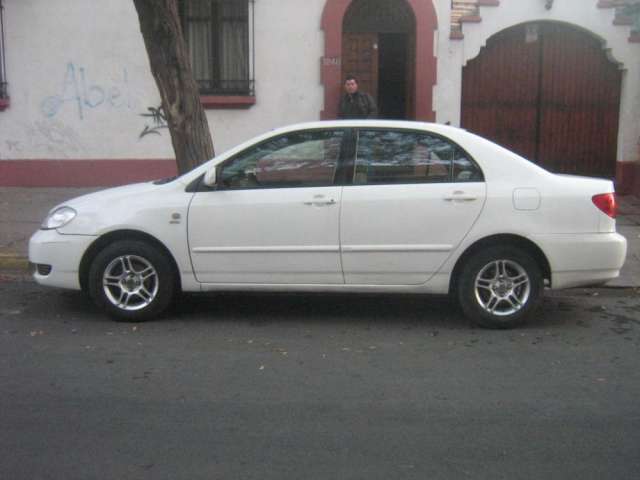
(392, 76)
(548, 92)
(360, 58)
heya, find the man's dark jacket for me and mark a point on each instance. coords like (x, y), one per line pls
(358, 105)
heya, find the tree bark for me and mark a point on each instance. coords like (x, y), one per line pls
(169, 59)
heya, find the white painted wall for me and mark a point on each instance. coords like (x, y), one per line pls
(289, 44)
(79, 77)
(78, 82)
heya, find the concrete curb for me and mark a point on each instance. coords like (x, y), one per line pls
(14, 262)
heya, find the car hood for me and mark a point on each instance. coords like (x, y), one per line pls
(127, 207)
(108, 195)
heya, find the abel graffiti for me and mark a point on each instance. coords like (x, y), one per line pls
(82, 94)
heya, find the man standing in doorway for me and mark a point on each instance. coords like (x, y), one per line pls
(356, 104)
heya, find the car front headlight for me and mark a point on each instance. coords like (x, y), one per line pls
(58, 218)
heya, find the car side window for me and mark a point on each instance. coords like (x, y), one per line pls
(392, 157)
(299, 159)
(465, 169)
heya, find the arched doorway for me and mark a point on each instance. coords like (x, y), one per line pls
(378, 41)
(549, 92)
(415, 39)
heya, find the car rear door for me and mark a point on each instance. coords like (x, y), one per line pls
(414, 197)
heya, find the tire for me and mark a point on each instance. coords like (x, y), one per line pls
(132, 281)
(499, 287)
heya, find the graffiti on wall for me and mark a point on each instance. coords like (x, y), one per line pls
(13, 145)
(46, 137)
(54, 138)
(156, 121)
(79, 93)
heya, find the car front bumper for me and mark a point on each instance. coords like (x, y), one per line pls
(583, 259)
(62, 253)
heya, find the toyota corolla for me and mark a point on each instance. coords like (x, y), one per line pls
(344, 206)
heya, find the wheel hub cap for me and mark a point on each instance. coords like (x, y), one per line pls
(502, 287)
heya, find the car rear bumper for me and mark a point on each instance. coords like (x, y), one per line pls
(583, 259)
(62, 253)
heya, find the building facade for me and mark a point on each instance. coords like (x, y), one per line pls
(557, 81)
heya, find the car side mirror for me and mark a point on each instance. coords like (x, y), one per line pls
(210, 177)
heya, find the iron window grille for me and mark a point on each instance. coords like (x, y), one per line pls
(3, 66)
(220, 39)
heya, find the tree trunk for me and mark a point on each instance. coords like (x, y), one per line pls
(169, 59)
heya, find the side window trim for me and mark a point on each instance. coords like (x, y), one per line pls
(418, 132)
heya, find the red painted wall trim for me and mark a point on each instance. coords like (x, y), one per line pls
(426, 64)
(4, 104)
(82, 173)
(622, 20)
(470, 19)
(227, 101)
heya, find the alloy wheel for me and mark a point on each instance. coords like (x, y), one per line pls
(130, 282)
(502, 287)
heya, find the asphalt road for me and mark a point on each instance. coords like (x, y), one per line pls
(317, 387)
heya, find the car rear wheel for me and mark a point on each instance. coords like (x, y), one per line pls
(132, 280)
(499, 287)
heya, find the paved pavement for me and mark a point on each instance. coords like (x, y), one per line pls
(23, 209)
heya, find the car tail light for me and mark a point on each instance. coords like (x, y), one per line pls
(607, 203)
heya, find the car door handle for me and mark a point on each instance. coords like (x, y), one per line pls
(320, 203)
(460, 197)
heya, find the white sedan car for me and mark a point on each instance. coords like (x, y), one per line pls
(344, 206)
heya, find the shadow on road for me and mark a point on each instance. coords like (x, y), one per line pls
(556, 309)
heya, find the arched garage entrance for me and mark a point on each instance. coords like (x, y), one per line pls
(549, 92)
(421, 77)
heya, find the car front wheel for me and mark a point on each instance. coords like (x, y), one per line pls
(499, 287)
(132, 280)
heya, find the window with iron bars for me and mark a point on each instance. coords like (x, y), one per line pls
(219, 36)
(3, 66)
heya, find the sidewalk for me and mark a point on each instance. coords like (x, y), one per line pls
(23, 209)
(628, 224)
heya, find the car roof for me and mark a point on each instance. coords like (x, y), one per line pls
(399, 124)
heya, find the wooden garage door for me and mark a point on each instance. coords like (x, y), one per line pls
(549, 92)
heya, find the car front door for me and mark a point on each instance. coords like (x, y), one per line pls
(274, 217)
(414, 197)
